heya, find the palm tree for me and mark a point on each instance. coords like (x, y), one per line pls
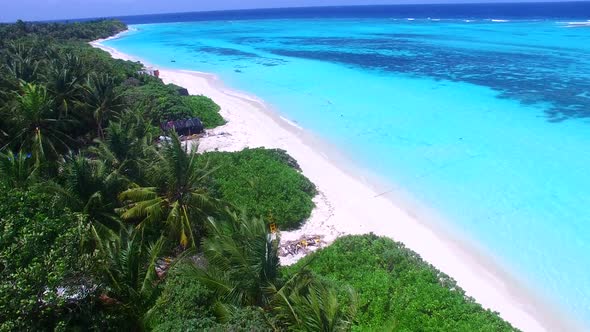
(88, 186)
(177, 195)
(22, 63)
(242, 270)
(305, 303)
(8, 84)
(34, 124)
(243, 258)
(129, 275)
(17, 170)
(65, 78)
(102, 99)
(127, 146)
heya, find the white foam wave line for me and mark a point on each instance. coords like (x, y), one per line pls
(291, 123)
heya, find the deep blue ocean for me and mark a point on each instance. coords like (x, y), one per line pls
(546, 10)
(481, 112)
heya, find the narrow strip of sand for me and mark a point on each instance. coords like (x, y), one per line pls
(347, 204)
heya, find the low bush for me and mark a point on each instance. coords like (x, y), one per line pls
(245, 319)
(398, 290)
(185, 305)
(263, 182)
(165, 103)
(205, 109)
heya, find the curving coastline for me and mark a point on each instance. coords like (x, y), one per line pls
(360, 208)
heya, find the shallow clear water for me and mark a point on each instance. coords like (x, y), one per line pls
(486, 122)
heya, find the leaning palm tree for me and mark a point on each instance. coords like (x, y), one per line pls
(102, 100)
(128, 274)
(177, 196)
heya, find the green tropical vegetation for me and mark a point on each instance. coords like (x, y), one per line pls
(46, 267)
(105, 226)
(205, 109)
(168, 102)
(396, 289)
(262, 182)
(177, 194)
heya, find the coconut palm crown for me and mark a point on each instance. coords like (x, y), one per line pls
(177, 197)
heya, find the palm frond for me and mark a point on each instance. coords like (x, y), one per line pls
(308, 304)
(149, 211)
(138, 194)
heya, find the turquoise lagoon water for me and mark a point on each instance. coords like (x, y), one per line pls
(487, 122)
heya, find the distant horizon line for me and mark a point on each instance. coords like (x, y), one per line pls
(485, 2)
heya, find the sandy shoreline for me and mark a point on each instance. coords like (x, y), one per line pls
(360, 208)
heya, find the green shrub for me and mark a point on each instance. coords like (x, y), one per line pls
(187, 305)
(40, 252)
(184, 305)
(264, 183)
(246, 319)
(163, 102)
(205, 109)
(398, 290)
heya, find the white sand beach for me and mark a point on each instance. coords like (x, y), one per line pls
(349, 204)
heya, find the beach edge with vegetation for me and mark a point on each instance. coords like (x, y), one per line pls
(113, 231)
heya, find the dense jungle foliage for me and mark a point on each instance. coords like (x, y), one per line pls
(396, 289)
(106, 227)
